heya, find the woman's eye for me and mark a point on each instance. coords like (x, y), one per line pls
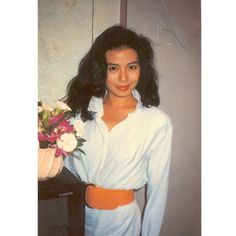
(112, 68)
(133, 67)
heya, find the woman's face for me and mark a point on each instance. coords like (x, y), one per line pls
(123, 71)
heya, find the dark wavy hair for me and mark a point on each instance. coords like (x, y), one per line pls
(91, 77)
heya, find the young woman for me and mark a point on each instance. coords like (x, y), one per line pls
(128, 138)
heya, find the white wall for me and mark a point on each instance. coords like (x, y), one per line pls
(65, 35)
(174, 27)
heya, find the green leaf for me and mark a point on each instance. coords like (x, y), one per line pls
(57, 111)
(46, 115)
(79, 144)
(46, 124)
(80, 150)
(67, 113)
(74, 154)
(43, 144)
(77, 157)
(82, 140)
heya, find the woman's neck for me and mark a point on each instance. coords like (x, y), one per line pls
(118, 102)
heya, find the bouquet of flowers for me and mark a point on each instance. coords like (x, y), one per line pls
(57, 130)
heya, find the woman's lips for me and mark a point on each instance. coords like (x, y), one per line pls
(123, 88)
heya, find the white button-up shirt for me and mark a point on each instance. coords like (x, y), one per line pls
(133, 153)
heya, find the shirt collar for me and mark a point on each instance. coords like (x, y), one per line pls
(96, 103)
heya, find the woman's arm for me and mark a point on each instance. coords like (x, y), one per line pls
(157, 183)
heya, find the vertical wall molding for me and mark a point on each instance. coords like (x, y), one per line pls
(123, 13)
(106, 14)
(92, 21)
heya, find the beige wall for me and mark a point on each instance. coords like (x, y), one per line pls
(107, 13)
(174, 27)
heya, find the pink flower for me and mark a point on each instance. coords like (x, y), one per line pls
(66, 125)
(60, 152)
(48, 138)
(41, 137)
(55, 119)
(55, 129)
(52, 137)
(62, 124)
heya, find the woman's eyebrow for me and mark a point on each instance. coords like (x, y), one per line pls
(133, 62)
(114, 64)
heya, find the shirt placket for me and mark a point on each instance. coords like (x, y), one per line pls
(105, 135)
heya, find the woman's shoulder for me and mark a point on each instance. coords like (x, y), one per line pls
(156, 116)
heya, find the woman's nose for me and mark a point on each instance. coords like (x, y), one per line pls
(123, 75)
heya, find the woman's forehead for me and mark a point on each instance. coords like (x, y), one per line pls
(124, 54)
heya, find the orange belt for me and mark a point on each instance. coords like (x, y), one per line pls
(107, 199)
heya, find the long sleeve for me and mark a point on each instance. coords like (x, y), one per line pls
(157, 182)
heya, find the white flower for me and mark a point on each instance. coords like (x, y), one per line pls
(78, 126)
(67, 142)
(62, 106)
(40, 109)
(47, 107)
